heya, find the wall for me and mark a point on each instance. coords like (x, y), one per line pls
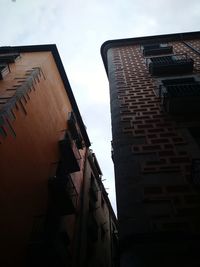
(29, 151)
(152, 154)
(98, 222)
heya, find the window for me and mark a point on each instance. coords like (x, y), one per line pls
(4, 70)
(156, 49)
(9, 57)
(74, 132)
(94, 164)
(177, 94)
(63, 194)
(169, 65)
(180, 87)
(69, 155)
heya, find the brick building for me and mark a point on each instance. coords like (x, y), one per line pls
(155, 96)
(54, 208)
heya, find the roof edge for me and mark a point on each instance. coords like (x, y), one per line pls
(53, 49)
(141, 40)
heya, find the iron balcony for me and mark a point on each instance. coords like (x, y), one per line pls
(70, 155)
(181, 98)
(169, 65)
(156, 49)
(63, 194)
(9, 57)
(4, 69)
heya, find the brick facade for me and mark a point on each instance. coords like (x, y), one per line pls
(153, 151)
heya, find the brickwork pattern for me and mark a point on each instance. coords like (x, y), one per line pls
(155, 132)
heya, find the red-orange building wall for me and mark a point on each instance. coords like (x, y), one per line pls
(29, 151)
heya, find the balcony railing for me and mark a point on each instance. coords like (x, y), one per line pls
(70, 155)
(95, 165)
(4, 69)
(74, 131)
(169, 65)
(9, 57)
(181, 97)
(156, 49)
(63, 194)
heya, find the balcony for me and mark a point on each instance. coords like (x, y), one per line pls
(180, 96)
(94, 165)
(9, 57)
(74, 131)
(169, 65)
(70, 155)
(63, 194)
(156, 49)
(4, 70)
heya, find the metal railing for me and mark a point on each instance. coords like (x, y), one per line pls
(156, 49)
(180, 90)
(64, 185)
(9, 57)
(172, 59)
(170, 65)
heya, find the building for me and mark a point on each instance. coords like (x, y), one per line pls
(155, 96)
(54, 207)
(99, 246)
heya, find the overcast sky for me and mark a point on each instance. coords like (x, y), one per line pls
(79, 28)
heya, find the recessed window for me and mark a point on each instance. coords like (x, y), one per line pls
(69, 155)
(170, 65)
(4, 70)
(177, 94)
(9, 57)
(74, 131)
(156, 49)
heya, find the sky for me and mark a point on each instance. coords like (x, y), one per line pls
(79, 28)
